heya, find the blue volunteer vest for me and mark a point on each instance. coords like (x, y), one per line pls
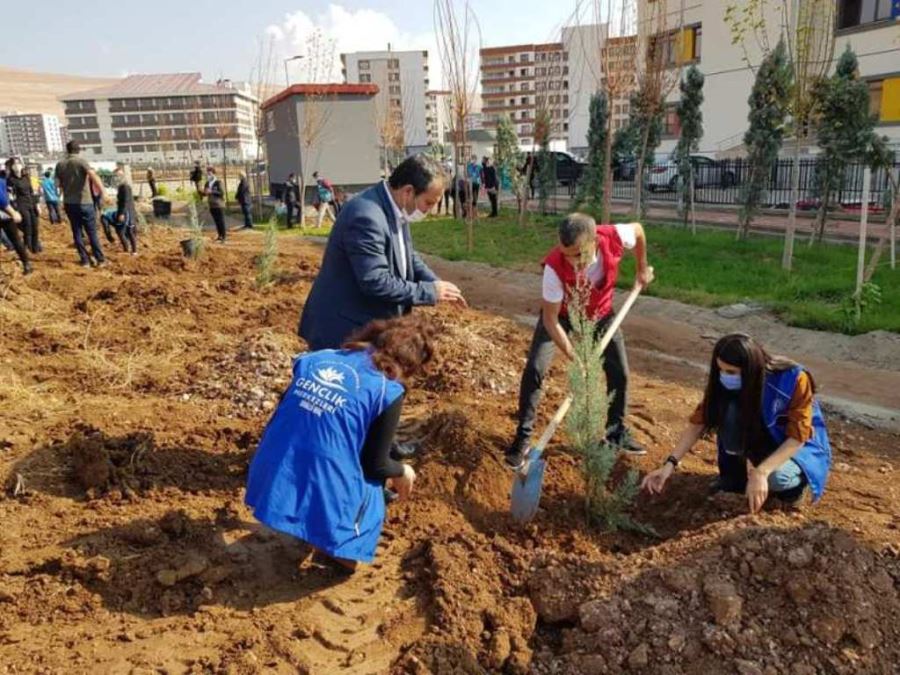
(814, 458)
(306, 478)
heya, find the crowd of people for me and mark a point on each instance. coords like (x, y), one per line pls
(327, 463)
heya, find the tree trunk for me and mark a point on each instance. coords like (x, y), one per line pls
(872, 267)
(787, 259)
(693, 211)
(607, 174)
(639, 172)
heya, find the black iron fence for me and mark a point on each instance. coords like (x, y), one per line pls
(722, 182)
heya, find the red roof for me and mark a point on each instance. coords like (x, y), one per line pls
(322, 90)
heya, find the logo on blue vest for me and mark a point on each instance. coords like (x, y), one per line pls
(330, 377)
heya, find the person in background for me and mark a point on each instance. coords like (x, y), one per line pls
(10, 219)
(324, 199)
(126, 216)
(473, 173)
(491, 183)
(215, 196)
(50, 193)
(196, 176)
(151, 181)
(22, 195)
(770, 430)
(243, 197)
(587, 256)
(289, 197)
(79, 182)
(324, 457)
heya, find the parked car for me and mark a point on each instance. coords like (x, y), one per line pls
(708, 172)
(568, 168)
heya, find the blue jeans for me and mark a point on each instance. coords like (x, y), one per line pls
(53, 212)
(733, 475)
(83, 218)
(245, 209)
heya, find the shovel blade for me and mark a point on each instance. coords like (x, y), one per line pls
(526, 490)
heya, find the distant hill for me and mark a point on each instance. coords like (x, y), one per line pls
(31, 92)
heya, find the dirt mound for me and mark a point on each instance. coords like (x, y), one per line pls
(252, 378)
(770, 599)
(475, 356)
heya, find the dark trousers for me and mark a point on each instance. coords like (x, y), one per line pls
(476, 188)
(29, 227)
(83, 220)
(53, 212)
(245, 209)
(447, 194)
(615, 365)
(128, 238)
(289, 213)
(11, 232)
(218, 216)
(492, 195)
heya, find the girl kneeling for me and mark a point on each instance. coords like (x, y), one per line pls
(323, 460)
(770, 431)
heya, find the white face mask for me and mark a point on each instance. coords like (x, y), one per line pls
(415, 216)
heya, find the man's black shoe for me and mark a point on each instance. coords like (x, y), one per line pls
(625, 443)
(515, 454)
(402, 451)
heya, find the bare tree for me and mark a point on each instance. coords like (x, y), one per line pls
(807, 28)
(262, 77)
(610, 55)
(659, 48)
(459, 49)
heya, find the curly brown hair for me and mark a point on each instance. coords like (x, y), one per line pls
(401, 348)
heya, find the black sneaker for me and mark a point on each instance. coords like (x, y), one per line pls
(625, 443)
(515, 454)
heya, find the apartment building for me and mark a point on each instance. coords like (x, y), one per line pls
(522, 80)
(28, 134)
(402, 99)
(702, 37)
(438, 115)
(160, 118)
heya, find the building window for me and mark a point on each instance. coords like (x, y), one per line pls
(394, 63)
(365, 77)
(364, 65)
(884, 99)
(853, 13)
(395, 89)
(671, 123)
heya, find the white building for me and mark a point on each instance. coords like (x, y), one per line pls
(438, 120)
(164, 118)
(28, 134)
(706, 40)
(583, 44)
(402, 81)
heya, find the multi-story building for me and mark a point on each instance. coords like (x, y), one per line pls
(438, 120)
(160, 118)
(28, 134)
(523, 82)
(701, 36)
(400, 106)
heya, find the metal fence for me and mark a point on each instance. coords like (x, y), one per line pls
(722, 182)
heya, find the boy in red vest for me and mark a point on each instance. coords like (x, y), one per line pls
(590, 252)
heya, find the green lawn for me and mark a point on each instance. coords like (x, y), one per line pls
(709, 269)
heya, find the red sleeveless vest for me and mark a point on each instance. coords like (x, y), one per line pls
(609, 254)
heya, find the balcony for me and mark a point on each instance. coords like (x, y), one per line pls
(507, 79)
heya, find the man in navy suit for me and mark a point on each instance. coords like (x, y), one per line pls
(370, 270)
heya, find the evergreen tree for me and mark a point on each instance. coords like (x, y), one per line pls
(590, 188)
(509, 158)
(646, 116)
(545, 159)
(845, 129)
(769, 100)
(690, 118)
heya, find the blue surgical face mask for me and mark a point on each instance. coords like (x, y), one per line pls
(729, 381)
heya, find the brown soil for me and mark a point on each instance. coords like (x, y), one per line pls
(132, 399)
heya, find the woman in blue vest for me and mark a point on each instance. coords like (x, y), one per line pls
(770, 430)
(324, 458)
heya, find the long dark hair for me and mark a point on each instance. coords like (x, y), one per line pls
(742, 351)
(401, 348)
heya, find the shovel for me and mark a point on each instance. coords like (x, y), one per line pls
(529, 478)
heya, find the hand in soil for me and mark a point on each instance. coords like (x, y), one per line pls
(757, 490)
(448, 292)
(403, 485)
(655, 481)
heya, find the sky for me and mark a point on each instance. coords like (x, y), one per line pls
(221, 38)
